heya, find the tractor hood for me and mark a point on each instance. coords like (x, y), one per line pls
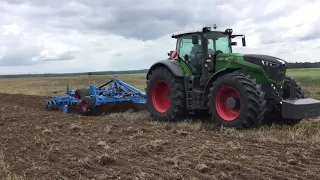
(274, 67)
(263, 59)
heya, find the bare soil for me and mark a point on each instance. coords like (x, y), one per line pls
(40, 144)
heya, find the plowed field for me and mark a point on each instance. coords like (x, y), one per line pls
(40, 144)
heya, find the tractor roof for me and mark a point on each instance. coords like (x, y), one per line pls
(189, 31)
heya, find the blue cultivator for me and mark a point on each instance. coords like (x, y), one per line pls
(62, 103)
(93, 97)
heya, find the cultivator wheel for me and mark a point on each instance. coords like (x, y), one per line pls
(235, 100)
(165, 96)
(81, 93)
(87, 106)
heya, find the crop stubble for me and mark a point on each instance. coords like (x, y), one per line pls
(41, 144)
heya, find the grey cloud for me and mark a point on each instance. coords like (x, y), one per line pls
(118, 54)
(136, 19)
(19, 57)
(62, 57)
(147, 20)
(17, 52)
(41, 3)
(22, 50)
(266, 18)
(270, 35)
(25, 57)
(266, 37)
(314, 33)
(151, 20)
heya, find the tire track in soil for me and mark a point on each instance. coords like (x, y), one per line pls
(49, 144)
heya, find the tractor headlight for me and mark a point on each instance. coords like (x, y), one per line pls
(281, 61)
(268, 63)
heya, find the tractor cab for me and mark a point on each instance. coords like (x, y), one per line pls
(200, 48)
(196, 47)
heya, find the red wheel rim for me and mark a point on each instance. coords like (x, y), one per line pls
(84, 106)
(221, 104)
(160, 99)
(77, 96)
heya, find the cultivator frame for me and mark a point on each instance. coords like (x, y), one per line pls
(117, 92)
(62, 103)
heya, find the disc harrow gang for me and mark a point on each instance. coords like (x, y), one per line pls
(117, 92)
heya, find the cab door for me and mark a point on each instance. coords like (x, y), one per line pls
(190, 53)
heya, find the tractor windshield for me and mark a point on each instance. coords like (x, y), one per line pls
(191, 53)
(216, 41)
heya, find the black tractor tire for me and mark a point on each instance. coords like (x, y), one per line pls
(81, 93)
(165, 96)
(251, 104)
(286, 94)
(286, 88)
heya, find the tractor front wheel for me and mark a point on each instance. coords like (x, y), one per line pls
(235, 100)
(165, 95)
(299, 94)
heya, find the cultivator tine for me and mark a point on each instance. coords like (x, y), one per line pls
(68, 90)
(62, 103)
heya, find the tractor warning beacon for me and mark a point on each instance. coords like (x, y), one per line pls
(238, 90)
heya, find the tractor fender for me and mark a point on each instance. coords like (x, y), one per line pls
(214, 77)
(173, 67)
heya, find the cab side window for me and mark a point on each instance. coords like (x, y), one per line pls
(222, 44)
(210, 47)
(184, 46)
(189, 52)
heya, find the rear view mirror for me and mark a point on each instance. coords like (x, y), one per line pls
(243, 41)
(195, 39)
(243, 38)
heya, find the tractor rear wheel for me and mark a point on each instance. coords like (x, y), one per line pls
(165, 95)
(235, 100)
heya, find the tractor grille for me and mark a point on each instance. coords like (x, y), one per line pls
(274, 69)
(276, 72)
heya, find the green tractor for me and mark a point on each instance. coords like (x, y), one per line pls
(238, 90)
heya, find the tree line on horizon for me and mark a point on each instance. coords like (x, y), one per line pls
(294, 65)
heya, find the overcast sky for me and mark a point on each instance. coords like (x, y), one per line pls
(56, 36)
